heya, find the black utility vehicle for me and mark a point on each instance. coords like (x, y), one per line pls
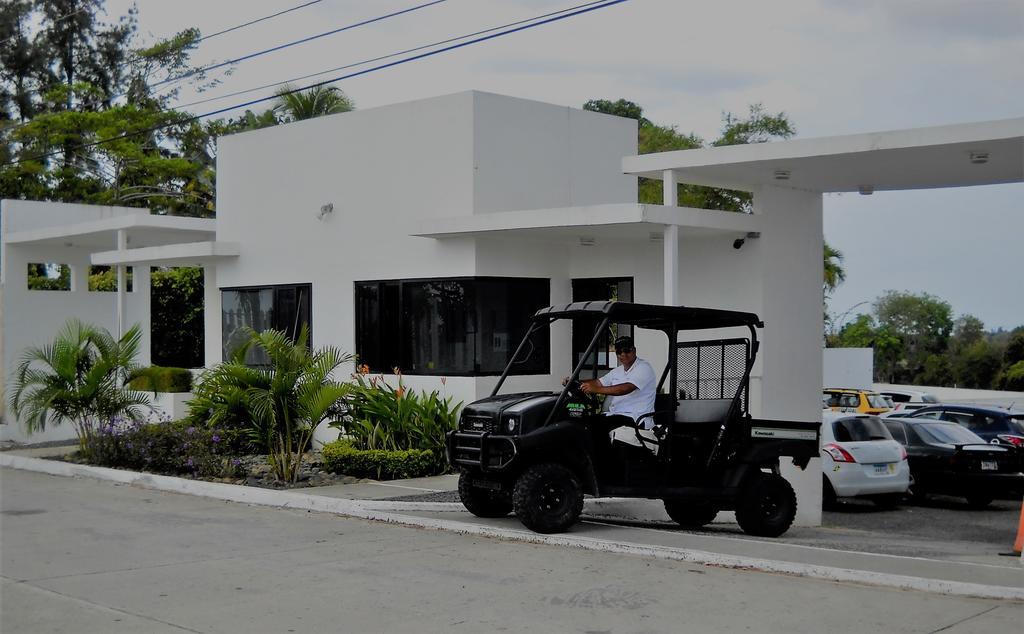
(537, 453)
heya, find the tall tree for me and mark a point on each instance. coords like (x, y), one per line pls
(923, 322)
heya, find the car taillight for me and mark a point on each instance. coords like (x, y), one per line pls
(903, 452)
(1016, 441)
(838, 453)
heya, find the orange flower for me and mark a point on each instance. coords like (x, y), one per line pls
(364, 369)
(399, 392)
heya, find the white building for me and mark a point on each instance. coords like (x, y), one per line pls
(420, 235)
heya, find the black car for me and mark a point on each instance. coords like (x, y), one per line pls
(995, 424)
(946, 458)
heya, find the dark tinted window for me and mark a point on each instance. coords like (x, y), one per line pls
(948, 433)
(896, 430)
(467, 326)
(913, 438)
(286, 308)
(898, 398)
(860, 429)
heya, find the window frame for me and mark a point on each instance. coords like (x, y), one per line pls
(273, 287)
(403, 362)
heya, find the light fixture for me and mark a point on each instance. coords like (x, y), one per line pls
(979, 158)
(587, 242)
(325, 210)
(866, 190)
(782, 175)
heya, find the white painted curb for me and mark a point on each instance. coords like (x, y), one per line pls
(364, 509)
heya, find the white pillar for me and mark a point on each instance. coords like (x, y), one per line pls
(211, 316)
(670, 242)
(122, 281)
(790, 358)
(670, 248)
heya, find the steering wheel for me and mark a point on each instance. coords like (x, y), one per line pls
(575, 393)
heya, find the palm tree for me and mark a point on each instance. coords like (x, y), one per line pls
(834, 273)
(284, 402)
(314, 102)
(80, 378)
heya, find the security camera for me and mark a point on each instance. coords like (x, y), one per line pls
(738, 242)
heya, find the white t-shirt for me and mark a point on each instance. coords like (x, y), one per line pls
(641, 400)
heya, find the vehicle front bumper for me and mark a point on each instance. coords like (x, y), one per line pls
(480, 450)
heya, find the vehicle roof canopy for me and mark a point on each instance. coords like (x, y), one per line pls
(652, 315)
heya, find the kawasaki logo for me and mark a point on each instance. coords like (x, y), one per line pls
(787, 434)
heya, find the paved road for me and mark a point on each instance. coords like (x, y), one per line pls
(87, 556)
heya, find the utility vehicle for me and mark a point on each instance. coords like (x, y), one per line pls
(538, 453)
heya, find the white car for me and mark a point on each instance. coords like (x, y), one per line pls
(859, 458)
(906, 401)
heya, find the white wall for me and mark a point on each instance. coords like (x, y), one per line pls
(848, 367)
(382, 168)
(32, 318)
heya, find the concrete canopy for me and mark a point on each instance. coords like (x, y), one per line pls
(983, 153)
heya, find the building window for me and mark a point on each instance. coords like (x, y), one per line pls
(453, 327)
(285, 307)
(603, 289)
(49, 276)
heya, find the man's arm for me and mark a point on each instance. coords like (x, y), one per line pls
(593, 386)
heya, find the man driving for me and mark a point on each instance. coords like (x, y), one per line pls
(631, 385)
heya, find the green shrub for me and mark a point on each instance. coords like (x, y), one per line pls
(164, 447)
(376, 415)
(160, 379)
(341, 457)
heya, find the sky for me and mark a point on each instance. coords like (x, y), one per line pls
(833, 66)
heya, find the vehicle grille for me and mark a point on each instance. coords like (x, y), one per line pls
(478, 423)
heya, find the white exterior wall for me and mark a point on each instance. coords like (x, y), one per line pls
(848, 367)
(382, 168)
(32, 318)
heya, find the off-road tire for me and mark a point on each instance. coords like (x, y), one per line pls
(483, 502)
(766, 505)
(689, 514)
(548, 498)
(979, 500)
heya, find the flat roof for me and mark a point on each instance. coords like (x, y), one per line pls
(631, 221)
(143, 229)
(983, 153)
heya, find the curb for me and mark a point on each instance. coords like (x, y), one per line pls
(364, 509)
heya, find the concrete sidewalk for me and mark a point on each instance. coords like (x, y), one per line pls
(638, 527)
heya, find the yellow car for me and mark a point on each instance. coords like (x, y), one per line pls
(862, 401)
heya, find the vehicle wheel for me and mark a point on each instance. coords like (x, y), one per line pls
(548, 498)
(979, 500)
(828, 494)
(766, 505)
(483, 502)
(691, 514)
(888, 502)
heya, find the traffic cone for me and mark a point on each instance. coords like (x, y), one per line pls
(1018, 545)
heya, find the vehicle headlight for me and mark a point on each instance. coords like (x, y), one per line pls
(511, 424)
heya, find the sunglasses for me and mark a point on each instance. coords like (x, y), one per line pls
(624, 350)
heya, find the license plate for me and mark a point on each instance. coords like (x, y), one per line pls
(882, 469)
(989, 465)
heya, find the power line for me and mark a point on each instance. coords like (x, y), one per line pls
(584, 9)
(383, 57)
(273, 49)
(256, 21)
(265, 51)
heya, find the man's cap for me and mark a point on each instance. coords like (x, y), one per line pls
(623, 343)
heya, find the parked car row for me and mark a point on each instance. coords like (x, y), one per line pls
(883, 459)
